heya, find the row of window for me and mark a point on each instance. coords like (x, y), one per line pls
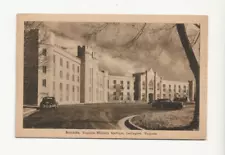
(179, 86)
(68, 97)
(44, 83)
(121, 82)
(179, 90)
(121, 98)
(67, 64)
(121, 93)
(44, 69)
(67, 90)
(44, 53)
(68, 76)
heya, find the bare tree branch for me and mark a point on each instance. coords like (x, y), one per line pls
(197, 25)
(136, 37)
(97, 30)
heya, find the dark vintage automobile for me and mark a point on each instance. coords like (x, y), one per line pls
(48, 102)
(167, 104)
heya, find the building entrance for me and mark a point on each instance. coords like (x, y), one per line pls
(150, 97)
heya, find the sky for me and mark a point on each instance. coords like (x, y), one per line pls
(126, 48)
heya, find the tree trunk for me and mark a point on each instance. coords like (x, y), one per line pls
(194, 66)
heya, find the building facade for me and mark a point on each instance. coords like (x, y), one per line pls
(58, 73)
(149, 86)
(121, 88)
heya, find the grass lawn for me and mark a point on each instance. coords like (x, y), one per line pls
(165, 120)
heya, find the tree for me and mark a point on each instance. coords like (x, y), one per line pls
(194, 66)
(34, 59)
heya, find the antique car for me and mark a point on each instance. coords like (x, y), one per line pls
(48, 102)
(167, 104)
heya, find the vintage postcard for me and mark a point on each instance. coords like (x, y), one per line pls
(111, 76)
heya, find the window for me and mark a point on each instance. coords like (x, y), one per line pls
(73, 67)
(78, 94)
(53, 58)
(67, 76)
(44, 82)
(53, 86)
(97, 93)
(114, 86)
(164, 85)
(78, 69)
(54, 71)
(158, 96)
(72, 77)
(170, 96)
(158, 86)
(78, 79)
(61, 62)
(44, 68)
(67, 64)
(150, 85)
(164, 89)
(128, 95)
(67, 87)
(108, 83)
(44, 51)
(61, 74)
(90, 94)
(143, 83)
(143, 87)
(121, 98)
(114, 81)
(73, 88)
(164, 95)
(121, 82)
(60, 86)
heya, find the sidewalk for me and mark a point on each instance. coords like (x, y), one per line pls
(28, 110)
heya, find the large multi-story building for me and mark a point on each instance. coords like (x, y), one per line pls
(60, 67)
(149, 86)
(121, 88)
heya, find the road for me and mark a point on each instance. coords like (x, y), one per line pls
(96, 116)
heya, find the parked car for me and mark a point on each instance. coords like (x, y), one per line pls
(48, 102)
(167, 104)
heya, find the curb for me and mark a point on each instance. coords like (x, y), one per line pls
(133, 125)
(126, 124)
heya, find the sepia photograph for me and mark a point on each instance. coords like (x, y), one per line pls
(111, 76)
